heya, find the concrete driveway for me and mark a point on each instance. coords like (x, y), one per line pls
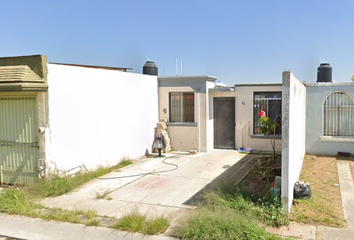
(153, 187)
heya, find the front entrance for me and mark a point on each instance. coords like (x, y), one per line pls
(224, 122)
(19, 149)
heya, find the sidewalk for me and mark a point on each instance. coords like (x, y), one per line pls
(36, 229)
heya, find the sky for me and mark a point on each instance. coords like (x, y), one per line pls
(237, 41)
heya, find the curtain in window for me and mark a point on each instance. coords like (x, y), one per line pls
(338, 114)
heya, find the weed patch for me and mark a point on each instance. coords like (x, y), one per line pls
(92, 222)
(58, 185)
(228, 214)
(271, 213)
(136, 222)
(15, 201)
(62, 216)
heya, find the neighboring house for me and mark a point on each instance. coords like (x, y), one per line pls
(63, 116)
(330, 114)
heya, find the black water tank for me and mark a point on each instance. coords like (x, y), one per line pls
(150, 68)
(324, 73)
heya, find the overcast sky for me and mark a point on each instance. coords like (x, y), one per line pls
(237, 41)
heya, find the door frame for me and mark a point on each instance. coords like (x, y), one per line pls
(232, 126)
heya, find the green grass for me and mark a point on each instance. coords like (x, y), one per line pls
(62, 216)
(325, 205)
(23, 201)
(123, 163)
(228, 214)
(136, 222)
(92, 222)
(90, 214)
(58, 185)
(15, 201)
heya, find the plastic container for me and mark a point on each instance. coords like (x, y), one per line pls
(274, 193)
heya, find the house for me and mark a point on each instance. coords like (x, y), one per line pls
(60, 116)
(216, 117)
(330, 106)
(63, 116)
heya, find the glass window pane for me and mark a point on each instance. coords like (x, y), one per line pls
(270, 102)
(338, 115)
(181, 107)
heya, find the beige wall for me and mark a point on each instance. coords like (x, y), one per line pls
(186, 137)
(244, 116)
(200, 136)
(183, 138)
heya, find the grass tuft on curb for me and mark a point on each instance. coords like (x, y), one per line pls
(136, 222)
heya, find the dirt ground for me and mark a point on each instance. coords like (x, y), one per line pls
(325, 205)
(258, 183)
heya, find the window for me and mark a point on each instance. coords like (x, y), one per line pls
(271, 102)
(338, 115)
(182, 107)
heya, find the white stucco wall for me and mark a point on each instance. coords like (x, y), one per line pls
(244, 117)
(315, 142)
(98, 116)
(294, 133)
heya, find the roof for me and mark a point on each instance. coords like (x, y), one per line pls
(189, 77)
(328, 84)
(222, 89)
(257, 84)
(19, 73)
(97, 67)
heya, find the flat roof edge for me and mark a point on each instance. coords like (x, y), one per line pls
(222, 89)
(93, 66)
(188, 77)
(257, 84)
(328, 84)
